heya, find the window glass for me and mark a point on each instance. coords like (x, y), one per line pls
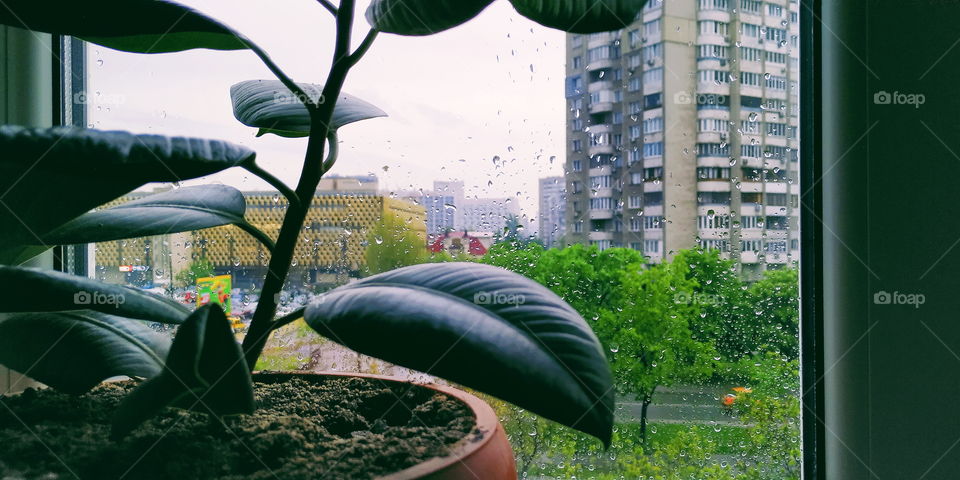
(668, 220)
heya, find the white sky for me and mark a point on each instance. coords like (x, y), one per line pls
(492, 87)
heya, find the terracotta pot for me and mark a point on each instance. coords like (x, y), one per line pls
(479, 456)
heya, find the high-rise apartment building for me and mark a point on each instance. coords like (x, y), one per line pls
(441, 205)
(682, 131)
(487, 214)
(553, 210)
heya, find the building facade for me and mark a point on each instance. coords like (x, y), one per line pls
(332, 244)
(553, 211)
(682, 131)
(487, 214)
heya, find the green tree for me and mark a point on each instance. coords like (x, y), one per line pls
(393, 244)
(640, 314)
(589, 279)
(774, 303)
(720, 294)
(198, 268)
(445, 256)
(514, 234)
(649, 337)
(773, 447)
(743, 320)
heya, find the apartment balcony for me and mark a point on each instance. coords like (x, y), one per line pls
(601, 149)
(600, 128)
(712, 137)
(777, 257)
(600, 86)
(600, 214)
(601, 107)
(603, 63)
(600, 40)
(600, 236)
(713, 185)
(602, 170)
(652, 185)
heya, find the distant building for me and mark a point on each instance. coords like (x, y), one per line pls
(332, 243)
(441, 213)
(451, 188)
(553, 210)
(682, 132)
(487, 214)
(440, 205)
(456, 243)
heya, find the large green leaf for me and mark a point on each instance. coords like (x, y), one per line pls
(37, 290)
(273, 108)
(140, 26)
(422, 17)
(74, 351)
(204, 371)
(50, 176)
(480, 326)
(181, 210)
(581, 16)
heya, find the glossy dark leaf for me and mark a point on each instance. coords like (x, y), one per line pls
(581, 16)
(204, 371)
(422, 17)
(38, 290)
(180, 210)
(480, 326)
(50, 176)
(273, 108)
(74, 351)
(140, 26)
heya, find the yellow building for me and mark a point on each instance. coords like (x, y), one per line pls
(333, 239)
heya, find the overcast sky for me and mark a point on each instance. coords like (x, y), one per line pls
(457, 99)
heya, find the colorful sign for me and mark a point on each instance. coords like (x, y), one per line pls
(134, 268)
(216, 290)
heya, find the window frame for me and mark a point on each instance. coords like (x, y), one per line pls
(69, 78)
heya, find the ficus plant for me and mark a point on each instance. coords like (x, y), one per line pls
(538, 354)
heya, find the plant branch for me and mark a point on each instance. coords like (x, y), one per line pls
(275, 182)
(333, 152)
(288, 318)
(364, 46)
(280, 74)
(258, 234)
(329, 6)
(320, 115)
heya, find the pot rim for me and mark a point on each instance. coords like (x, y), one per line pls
(486, 421)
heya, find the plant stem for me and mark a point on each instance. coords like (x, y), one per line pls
(334, 146)
(258, 234)
(277, 72)
(320, 115)
(275, 182)
(288, 318)
(364, 46)
(329, 6)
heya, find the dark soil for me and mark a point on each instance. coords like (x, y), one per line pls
(327, 428)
